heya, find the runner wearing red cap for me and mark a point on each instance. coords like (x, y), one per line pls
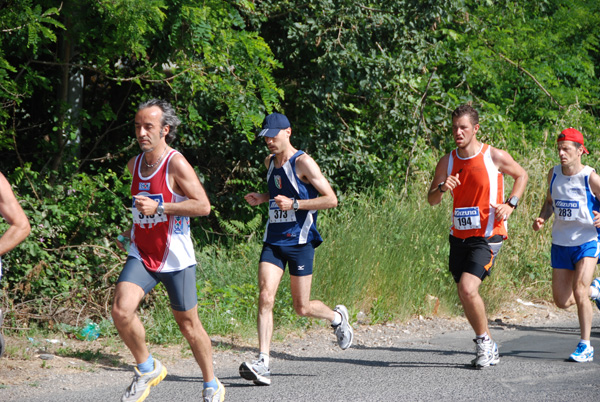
(573, 197)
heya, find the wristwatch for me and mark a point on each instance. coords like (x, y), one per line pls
(513, 201)
(160, 209)
(440, 187)
(295, 204)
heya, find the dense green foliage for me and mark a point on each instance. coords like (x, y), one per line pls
(368, 87)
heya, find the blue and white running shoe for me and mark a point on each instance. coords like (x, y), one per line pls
(584, 353)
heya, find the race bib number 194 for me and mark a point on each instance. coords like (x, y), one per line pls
(467, 218)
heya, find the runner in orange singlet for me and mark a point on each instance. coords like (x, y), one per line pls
(473, 173)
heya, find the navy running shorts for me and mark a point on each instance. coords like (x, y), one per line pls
(180, 285)
(474, 255)
(299, 257)
(565, 257)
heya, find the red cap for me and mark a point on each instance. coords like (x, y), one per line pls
(570, 134)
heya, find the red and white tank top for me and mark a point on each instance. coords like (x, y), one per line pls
(481, 185)
(162, 242)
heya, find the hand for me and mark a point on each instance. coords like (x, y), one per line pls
(255, 199)
(451, 183)
(145, 205)
(503, 211)
(596, 219)
(538, 223)
(122, 239)
(284, 203)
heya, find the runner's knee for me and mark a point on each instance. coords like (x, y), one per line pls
(563, 302)
(466, 292)
(120, 314)
(266, 300)
(302, 310)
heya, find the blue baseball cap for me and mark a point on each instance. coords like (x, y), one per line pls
(272, 124)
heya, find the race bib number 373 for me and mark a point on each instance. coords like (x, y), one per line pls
(467, 218)
(276, 215)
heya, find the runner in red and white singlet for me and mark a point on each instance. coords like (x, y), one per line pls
(161, 241)
(166, 193)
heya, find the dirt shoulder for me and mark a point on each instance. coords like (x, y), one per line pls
(57, 362)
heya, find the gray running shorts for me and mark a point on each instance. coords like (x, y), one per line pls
(180, 285)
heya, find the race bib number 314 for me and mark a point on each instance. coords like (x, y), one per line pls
(467, 218)
(147, 221)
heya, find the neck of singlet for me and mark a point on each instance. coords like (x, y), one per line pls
(469, 156)
(285, 156)
(572, 170)
(149, 173)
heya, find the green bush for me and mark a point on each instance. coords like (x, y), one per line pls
(70, 259)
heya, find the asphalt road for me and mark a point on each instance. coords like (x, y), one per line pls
(533, 367)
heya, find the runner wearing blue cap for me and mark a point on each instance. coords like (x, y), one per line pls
(297, 190)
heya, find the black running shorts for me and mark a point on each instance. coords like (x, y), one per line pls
(474, 255)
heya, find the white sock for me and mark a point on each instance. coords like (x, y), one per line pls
(594, 292)
(586, 343)
(337, 319)
(484, 336)
(264, 357)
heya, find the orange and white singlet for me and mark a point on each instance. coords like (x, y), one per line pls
(162, 242)
(481, 185)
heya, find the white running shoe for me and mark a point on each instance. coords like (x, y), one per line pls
(212, 395)
(583, 353)
(256, 371)
(140, 386)
(487, 353)
(343, 331)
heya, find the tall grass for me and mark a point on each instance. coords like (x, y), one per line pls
(388, 256)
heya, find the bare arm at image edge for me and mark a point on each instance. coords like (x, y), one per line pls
(12, 212)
